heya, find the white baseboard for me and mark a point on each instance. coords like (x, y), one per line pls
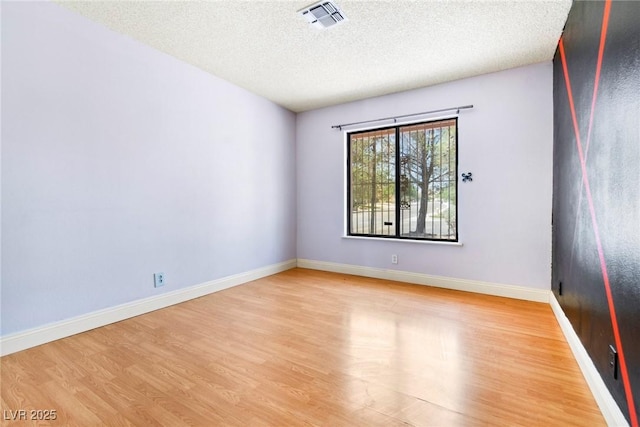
(51, 332)
(496, 289)
(610, 410)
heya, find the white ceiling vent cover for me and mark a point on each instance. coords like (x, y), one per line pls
(323, 14)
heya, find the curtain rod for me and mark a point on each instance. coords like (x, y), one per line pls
(395, 119)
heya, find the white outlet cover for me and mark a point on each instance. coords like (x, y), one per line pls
(158, 280)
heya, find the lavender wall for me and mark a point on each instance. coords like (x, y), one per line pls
(504, 214)
(119, 161)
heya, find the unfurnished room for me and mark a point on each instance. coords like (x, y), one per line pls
(330, 213)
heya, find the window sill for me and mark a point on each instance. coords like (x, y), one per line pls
(424, 242)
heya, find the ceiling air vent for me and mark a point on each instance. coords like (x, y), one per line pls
(323, 14)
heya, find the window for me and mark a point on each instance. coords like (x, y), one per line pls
(402, 181)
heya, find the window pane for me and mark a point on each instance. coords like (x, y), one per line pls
(419, 161)
(372, 175)
(428, 181)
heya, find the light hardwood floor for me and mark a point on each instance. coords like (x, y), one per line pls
(312, 348)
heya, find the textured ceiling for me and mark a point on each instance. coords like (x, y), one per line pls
(385, 47)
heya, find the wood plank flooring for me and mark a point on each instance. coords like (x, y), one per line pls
(310, 348)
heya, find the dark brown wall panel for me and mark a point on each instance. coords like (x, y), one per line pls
(609, 208)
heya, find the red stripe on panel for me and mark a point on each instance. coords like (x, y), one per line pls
(603, 39)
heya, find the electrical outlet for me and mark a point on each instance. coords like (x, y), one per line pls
(613, 362)
(559, 288)
(158, 280)
(394, 259)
